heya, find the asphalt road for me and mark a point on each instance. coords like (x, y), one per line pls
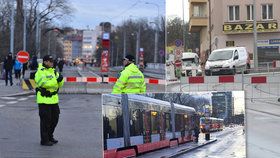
(79, 130)
(230, 144)
(262, 115)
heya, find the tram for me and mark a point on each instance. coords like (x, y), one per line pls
(150, 124)
(211, 124)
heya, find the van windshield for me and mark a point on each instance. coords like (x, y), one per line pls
(220, 55)
(189, 62)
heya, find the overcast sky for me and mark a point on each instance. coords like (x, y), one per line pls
(92, 12)
(174, 8)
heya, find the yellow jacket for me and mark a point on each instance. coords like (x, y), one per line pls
(45, 78)
(131, 81)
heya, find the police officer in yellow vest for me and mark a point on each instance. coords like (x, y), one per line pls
(131, 79)
(48, 82)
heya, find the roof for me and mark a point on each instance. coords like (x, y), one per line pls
(149, 100)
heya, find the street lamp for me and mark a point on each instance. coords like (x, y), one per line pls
(156, 42)
(157, 30)
(137, 42)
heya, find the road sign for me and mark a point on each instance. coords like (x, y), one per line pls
(23, 56)
(178, 42)
(161, 53)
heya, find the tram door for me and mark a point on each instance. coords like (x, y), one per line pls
(147, 126)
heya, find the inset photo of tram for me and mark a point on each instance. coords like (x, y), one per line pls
(201, 124)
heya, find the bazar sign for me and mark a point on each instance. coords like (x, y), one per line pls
(249, 27)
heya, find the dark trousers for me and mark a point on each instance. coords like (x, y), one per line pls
(8, 76)
(17, 74)
(49, 115)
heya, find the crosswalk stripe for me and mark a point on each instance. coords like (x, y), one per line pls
(2, 106)
(12, 102)
(7, 98)
(22, 99)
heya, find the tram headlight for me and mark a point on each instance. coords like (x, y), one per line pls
(154, 113)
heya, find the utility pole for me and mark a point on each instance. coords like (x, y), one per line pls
(125, 113)
(137, 45)
(12, 26)
(184, 28)
(210, 28)
(24, 28)
(255, 54)
(37, 36)
(124, 43)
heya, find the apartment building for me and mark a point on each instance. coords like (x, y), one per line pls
(227, 23)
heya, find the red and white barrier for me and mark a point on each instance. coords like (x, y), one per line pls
(108, 80)
(83, 79)
(230, 79)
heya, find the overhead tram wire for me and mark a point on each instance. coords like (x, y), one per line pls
(126, 10)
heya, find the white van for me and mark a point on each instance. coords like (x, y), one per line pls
(227, 61)
(190, 64)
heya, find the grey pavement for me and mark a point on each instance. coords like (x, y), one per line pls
(79, 129)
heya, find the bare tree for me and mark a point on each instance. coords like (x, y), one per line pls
(48, 12)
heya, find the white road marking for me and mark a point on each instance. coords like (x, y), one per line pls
(12, 102)
(8, 98)
(22, 99)
(2, 106)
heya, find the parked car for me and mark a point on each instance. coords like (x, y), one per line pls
(190, 64)
(227, 61)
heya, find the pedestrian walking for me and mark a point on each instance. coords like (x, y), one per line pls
(131, 79)
(24, 68)
(8, 67)
(48, 82)
(17, 69)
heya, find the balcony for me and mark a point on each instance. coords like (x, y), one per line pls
(198, 1)
(197, 23)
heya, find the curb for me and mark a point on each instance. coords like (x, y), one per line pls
(183, 151)
(19, 94)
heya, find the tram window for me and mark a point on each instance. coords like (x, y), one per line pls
(178, 122)
(114, 122)
(136, 123)
(155, 122)
(167, 122)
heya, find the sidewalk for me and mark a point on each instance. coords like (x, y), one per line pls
(13, 90)
(179, 150)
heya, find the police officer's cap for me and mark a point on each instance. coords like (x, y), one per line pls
(130, 58)
(48, 58)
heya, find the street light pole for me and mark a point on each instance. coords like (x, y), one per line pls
(255, 54)
(12, 32)
(157, 32)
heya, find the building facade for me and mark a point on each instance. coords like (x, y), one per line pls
(222, 105)
(72, 43)
(226, 23)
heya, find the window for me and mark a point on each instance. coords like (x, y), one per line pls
(198, 11)
(136, 123)
(234, 13)
(250, 11)
(267, 11)
(155, 122)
